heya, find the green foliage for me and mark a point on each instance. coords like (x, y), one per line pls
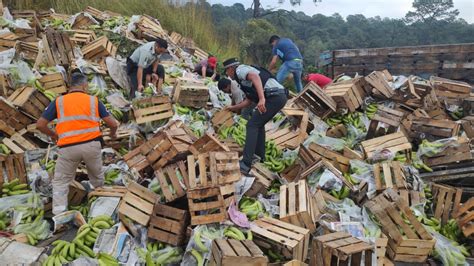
(428, 11)
(254, 41)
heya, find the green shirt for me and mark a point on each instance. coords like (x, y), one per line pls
(145, 55)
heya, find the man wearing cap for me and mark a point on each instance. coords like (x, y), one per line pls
(288, 52)
(143, 63)
(78, 137)
(259, 87)
(207, 67)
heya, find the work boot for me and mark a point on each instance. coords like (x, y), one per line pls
(244, 169)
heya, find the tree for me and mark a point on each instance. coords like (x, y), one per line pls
(257, 5)
(429, 11)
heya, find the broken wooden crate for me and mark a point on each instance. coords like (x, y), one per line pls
(446, 201)
(155, 108)
(263, 180)
(16, 142)
(304, 160)
(126, 137)
(427, 128)
(30, 100)
(386, 146)
(168, 224)
(460, 151)
(138, 203)
(450, 172)
(191, 93)
(108, 191)
(289, 240)
(411, 197)
(464, 216)
(323, 209)
(379, 81)
(235, 252)
(222, 119)
(27, 50)
(451, 91)
(77, 193)
(53, 82)
(345, 94)
(338, 160)
(207, 143)
(82, 21)
(214, 168)
(291, 137)
(415, 243)
(99, 49)
(297, 205)
(6, 85)
(11, 167)
(57, 48)
(315, 100)
(206, 205)
(388, 116)
(338, 249)
(83, 37)
(170, 179)
(389, 175)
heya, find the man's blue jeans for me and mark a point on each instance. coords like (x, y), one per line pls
(294, 67)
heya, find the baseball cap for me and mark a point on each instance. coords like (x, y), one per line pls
(212, 62)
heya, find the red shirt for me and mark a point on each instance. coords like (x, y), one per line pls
(319, 79)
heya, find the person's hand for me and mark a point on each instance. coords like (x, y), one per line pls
(140, 87)
(229, 108)
(261, 106)
(154, 76)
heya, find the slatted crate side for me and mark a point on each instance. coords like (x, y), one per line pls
(58, 48)
(452, 154)
(224, 167)
(411, 197)
(446, 200)
(205, 144)
(168, 224)
(97, 14)
(344, 96)
(206, 205)
(381, 250)
(18, 144)
(337, 159)
(11, 167)
(389, 175)
(291, 137)
(396, 142)
(30, 101)
(378, 80)
(193, 96)
(108, 191)
(234, 252)
(322, 200)
(433, 129)
(83, 37)
(316, 101)
(157, 108)
(388, 116)
(53, 82)
(291, 241)
(297, 205)
(28, 50)
(82, 22)
(169, 181)
(138, 203)
(464, 216)
(416, 243)
(450, 88)
(222, 119)
(263, 180)
(338, 249)
(164, 152)
(228, 194)
(99, 49)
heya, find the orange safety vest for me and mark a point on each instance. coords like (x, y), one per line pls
(78, 118)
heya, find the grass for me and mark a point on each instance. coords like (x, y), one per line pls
(189, 20)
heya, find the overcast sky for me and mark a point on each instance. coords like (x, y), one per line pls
(369, 8)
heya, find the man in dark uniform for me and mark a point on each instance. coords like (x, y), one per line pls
(259, 87)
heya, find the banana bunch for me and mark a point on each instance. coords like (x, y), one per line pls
(451, 230)
(4, 149)
(122, 151)
(419, 164)
(251, 207)
(34, 232)
(105, 259)
(431, 222)
(51, 95)
(458, 114)
(278, 117)
(29, 214)
(83, 209)
(334, 120)
(4, 220)
(111, 176)
(274, 257)
(431, 148)
(96, 91)
(428, 196)
(14, 188)
(182, 110)
(148, 91)
(65, 252)
(155, 187)
(224, 132)
(235, 233)
(451, 256)
(155, 246)
(237, 131)
(354, 119)
(400, 157)
(49, 166)
(87, 233)
(172, 255)
(370, 110)
(117, 113)
(274, 187)
(343, 193)
(274, 158)
(351, 179)
(197, 256)
(199, 115)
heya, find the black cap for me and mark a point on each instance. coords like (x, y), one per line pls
(231, 62)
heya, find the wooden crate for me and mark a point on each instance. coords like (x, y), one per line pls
(430, 129)
(138, 203)
(77, 193)
(206, 205)
(191, 93)
(30, 101)
(234, 252)
(205, 144)
(452, 91)
(451, 154)
(411, 197)
(228, 194)
(388, 116)
(290, 137)
(389, 175)
(392, 143)
(345, 95)
(82, 21)
(315, 100)
(83, 37)
(11, 167)
(97, 14)
(416, 243)
(155, 108)
(338, 249)
(8, 40)
(168, 224)
(378, 80)
(465, 217)
(6, 85)
(200, 54)
(381, 250)
(27, 50)
(149, 28)
(214, 168)
(126, 137)
(337, 159)
(222, 119)
(54, 82)
(99, 49)
(263, 180)
(446, 201)
(304, 160)
(449, 172)
(291, 241)
(295, 263)
(58, 48)
(169, 181)
(17, 143)
(108, 191)
(297, 206)
(323, 210)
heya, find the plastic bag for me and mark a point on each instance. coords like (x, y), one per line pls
(205, 234)
(21, 73)
(17, 200)
(328, 142)
(319, 125)
(270, 203)
(6, 58)
(430, 149)
(371, 229)
(237, 217)
(218, 98)
(354, 136)
(447, 251)
(39, 229)
(98, 87)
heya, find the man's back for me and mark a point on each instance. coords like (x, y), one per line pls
(286, 50)
(319, 79)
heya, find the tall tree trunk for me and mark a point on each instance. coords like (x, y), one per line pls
(256, 8)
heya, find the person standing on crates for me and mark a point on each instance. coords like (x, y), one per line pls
(288, 52)
(260, 87)
(78, 137)
(143, 66)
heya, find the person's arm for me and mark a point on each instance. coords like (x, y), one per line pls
(112, 124)
(257, 84)
(140, 78)
(240, 105)
(155, 66)
(42, 126)
(203, 71)
(272, 64)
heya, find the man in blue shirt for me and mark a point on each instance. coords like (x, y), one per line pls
(287, 51)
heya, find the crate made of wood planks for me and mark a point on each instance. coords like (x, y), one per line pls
(12, 167)
(263, 180)
(170, 179)
(446, 201)
(138, 204)
(206, 205)
(464, 216)
(381, 147)
(451, 91)
(191, 93)
(168, 224)
(213, 168)
(379, 81)
(82, 21)
(235, 252)
(291, 137)
(83, 37)
(459, 151)
(346, 94)
(207, 143)
(57, 48)
(152, 109)
(30, 101)
(27, 50)
(315, 100)
(99, 49)
(430, 129)
(389, 175)
(53, 82)
(297, 206)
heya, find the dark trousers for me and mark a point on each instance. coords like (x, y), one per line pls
(255, 138)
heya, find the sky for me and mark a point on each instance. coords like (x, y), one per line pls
(369, 8)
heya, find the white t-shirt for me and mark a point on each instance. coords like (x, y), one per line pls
(243, 70)
(236, 93)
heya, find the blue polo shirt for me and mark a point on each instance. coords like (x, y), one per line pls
(287, 50)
